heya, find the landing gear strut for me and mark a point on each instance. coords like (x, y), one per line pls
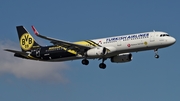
(102, 65)
(156, 53)
(85, 62)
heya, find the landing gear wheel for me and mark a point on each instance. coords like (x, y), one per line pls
(156, 56)
(85, 62)
(102, 65)
(156, 53)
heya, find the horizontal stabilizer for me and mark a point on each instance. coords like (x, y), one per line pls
(17, 52)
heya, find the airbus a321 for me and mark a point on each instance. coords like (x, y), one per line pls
(117, 48)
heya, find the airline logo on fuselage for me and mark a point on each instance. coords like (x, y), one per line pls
(128, 37)
(26, 41)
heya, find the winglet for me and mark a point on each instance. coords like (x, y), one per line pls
(35, 31)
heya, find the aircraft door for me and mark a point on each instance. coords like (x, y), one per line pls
(152, 37)
(119, 43)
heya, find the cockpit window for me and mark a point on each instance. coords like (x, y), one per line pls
(162, 35)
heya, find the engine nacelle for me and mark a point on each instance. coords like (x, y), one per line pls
(97, 51)
(125, 57)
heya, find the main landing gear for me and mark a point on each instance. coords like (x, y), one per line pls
(85, 62)
(156, 53)
(101, 65)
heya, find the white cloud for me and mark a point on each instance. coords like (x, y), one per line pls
(29, 69)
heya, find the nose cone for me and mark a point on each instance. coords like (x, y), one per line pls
(171, 40)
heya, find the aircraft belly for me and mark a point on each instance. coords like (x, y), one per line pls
(56, 55)
(64, 59)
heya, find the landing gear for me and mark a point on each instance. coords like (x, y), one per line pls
(102, 65)
(156, 56)
(156, 53)
(85, 62)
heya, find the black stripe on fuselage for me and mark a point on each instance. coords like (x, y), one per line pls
(92, 43)
(51, 52)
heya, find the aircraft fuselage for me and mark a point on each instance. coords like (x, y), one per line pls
(116, 45)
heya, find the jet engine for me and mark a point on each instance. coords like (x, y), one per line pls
(125, 57)
(97, 51)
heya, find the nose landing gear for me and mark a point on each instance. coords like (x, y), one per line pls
(156, 56)
(156, 53)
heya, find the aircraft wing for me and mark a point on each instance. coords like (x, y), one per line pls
(80, 49)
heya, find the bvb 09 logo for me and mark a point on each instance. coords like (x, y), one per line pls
(26, 41)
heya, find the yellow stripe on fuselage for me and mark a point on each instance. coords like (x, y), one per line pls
(87, 43)
(61, 47)
(84, 43)
(31, 57)
(93, 43)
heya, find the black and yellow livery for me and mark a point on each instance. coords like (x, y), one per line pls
(27, 42)
(60, 51)
(32, 50)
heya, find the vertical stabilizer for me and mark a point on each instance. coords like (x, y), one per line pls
(26, 41)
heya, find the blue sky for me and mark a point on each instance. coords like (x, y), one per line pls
(143, 79)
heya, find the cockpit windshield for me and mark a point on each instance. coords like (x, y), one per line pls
(163, 35)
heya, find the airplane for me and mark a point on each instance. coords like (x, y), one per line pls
(117, 48)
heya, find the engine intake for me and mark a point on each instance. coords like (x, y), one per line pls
(125, 57)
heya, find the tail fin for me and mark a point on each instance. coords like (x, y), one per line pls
(27, 42)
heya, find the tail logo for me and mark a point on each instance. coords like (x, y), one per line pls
(26, 41)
